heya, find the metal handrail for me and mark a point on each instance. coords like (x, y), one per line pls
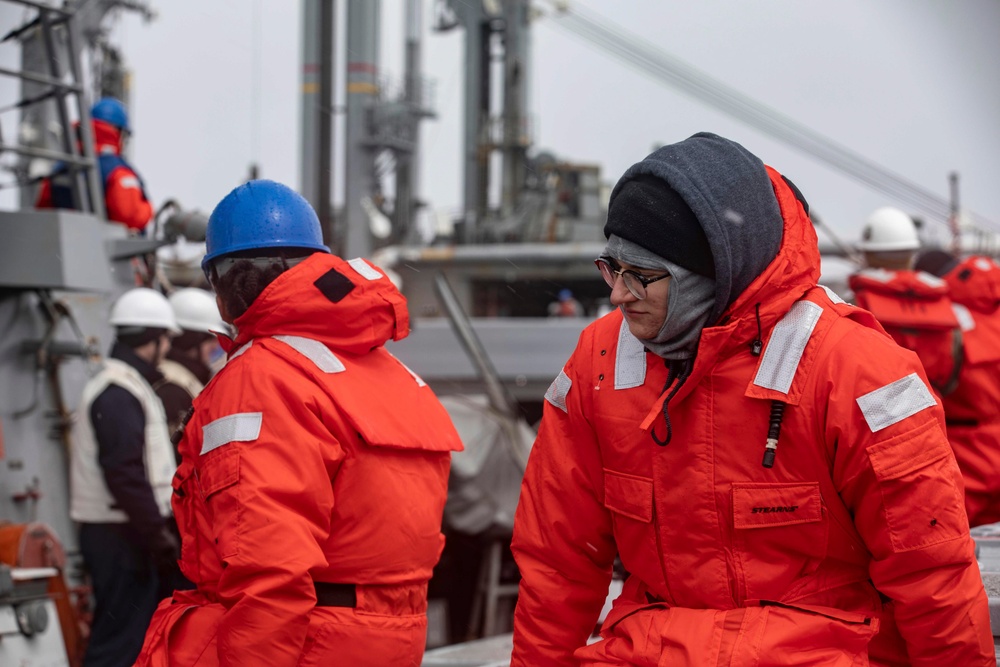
(45, 153)
(44, 6)
(41, 78)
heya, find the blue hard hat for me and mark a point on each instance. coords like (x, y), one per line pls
(565, 295)
(261, 214)
(112, 112)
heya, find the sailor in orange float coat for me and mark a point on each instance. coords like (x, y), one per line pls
(852, 549)
(314, 470)
(125, 198)
(972, 410)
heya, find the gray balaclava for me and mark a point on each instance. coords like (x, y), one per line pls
(730, 193)
(689, 302)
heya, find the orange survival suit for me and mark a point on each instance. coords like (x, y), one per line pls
(853, 548)
(311, 487)
(125, 198)
(914, 308)
(972, 411)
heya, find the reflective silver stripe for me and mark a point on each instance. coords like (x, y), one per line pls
(365, 269)
(784, 349)
(832, 295)
(556, 395)
(241, 427)
(630, 360)
(419, 380)
(895, 402)
(241, 350)
(315, 351)
(984, 264)
(928, 279)
(964, 317)
(880, 275)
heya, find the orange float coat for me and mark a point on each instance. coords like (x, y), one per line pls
(854, 546)
(313, 456)
(972, 411)
(914, 308)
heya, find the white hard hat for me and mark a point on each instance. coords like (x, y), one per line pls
(196, 310)
(888, 229)
(144, 307)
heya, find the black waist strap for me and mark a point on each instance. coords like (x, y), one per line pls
(335, 595)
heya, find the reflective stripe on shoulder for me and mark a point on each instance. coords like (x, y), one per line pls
(241, 427)
(964, 317)
(832, 295)
(556, 394)
(130, 182)
(786, 345)
(895, 402)
(364, 269)
(419, 380)
(881, 275)
(241, 350)
(929, 279)
(315, 351)
(630, 360)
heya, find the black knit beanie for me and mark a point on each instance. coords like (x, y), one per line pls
(651, 214)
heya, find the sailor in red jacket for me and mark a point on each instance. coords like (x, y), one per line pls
(912, 306)
(125, 198)
(972, 410)
(314, 471)
(769, 465)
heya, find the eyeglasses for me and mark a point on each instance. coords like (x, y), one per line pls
(635, 283)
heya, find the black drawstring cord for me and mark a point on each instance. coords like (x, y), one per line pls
(757, 345)
(773, 432)
(681, 376)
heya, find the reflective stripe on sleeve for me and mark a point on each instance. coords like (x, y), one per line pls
(630, 360)
(784, 349)
(241, 427)
(964, 317)
(556, 395)
(895, 402)
(316, 352)
(364, 269)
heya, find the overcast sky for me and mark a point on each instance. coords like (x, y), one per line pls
(912, 85)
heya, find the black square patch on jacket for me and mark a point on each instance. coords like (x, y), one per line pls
(334, 285)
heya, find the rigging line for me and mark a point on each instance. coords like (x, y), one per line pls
(866, 171)
(255, 85)
(650, 59)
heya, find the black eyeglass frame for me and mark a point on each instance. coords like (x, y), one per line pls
(601, 262)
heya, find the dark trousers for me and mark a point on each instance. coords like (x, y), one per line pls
(125, 585)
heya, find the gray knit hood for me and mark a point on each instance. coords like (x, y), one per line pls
(730, 192)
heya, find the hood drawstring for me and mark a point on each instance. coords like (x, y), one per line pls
(678, 369)
(757, 344)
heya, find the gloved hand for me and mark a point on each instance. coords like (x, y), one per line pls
(165, 548)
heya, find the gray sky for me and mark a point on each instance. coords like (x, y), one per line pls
(910, 84)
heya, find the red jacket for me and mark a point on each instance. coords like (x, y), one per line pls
(853, 547)
(914, 308)
(125, 197)
(973, 409)
(313, 456)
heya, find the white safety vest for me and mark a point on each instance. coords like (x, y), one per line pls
(90, 499)
(177, 374)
